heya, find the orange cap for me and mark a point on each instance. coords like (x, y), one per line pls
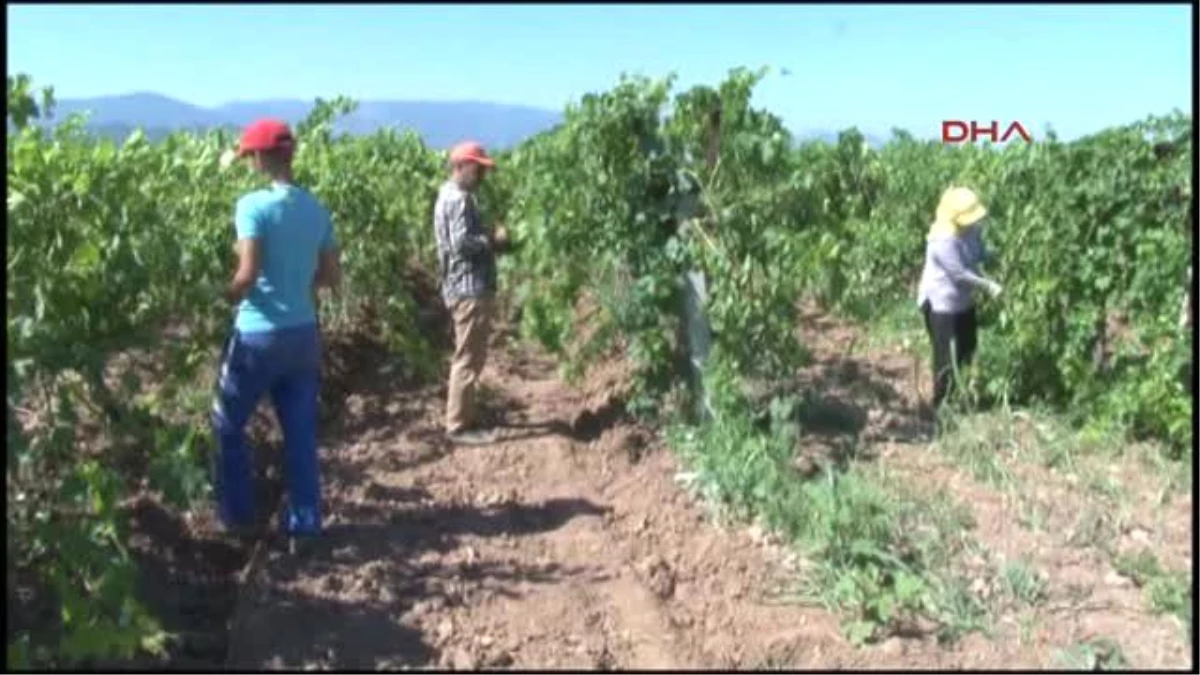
(470, 151)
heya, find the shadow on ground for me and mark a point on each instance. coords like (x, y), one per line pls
(508, 416)
(362, 595)
(849, 402)
(366, 388)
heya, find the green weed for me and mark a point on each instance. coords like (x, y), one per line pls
(1021, 583)
(1094, 528)
(1025, 629)
(881, 553)
(1099, 654)
(1032, 514)
(979, 443)
(1165, 592)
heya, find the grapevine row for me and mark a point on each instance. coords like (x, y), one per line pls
(116, 248)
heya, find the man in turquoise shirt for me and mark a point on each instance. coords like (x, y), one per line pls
(286, 250)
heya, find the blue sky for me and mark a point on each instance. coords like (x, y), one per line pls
(1079, 68)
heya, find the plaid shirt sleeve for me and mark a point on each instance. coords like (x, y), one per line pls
(460, 233)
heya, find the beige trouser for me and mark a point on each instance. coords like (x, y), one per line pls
(472, 328)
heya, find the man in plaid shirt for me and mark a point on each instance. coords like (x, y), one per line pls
(466, 257)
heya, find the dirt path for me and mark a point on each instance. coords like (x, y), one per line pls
(570, 544)
(566, 545)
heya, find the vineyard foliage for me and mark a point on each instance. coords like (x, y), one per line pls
(116, 249)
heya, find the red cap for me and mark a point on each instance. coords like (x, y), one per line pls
(265, 134)
(470, 151)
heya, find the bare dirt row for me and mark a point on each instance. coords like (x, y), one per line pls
(570, 543)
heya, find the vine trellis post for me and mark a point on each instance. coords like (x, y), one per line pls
(698, 332)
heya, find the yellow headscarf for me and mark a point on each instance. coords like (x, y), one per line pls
(959, 208)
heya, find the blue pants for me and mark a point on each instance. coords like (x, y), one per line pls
(285, 364)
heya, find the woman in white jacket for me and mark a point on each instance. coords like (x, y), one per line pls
(954, 253)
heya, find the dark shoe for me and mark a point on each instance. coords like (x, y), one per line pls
(301, 528)
(471, 437)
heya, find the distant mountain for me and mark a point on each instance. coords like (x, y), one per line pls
(139, 109)
(831, 137)
(439, 123)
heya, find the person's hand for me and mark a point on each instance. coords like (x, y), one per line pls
(993, 288)
(500, 238)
